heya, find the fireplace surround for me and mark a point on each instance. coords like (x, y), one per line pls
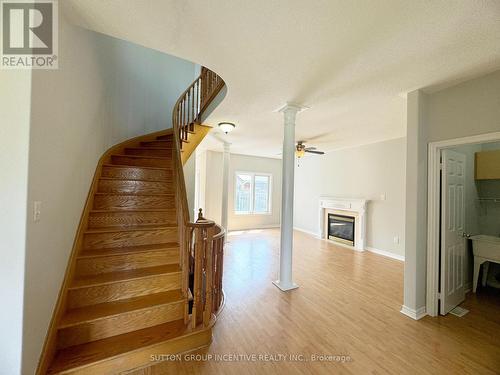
(354, 209)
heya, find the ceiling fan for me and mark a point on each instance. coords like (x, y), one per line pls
(301, 149)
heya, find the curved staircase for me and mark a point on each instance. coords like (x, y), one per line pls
(142, 279)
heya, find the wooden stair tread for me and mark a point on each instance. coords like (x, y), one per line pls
(90, 253)
(131, 193)
(91, 352)
(119, 276)
(131, 228)
(148, 148)
(133, 166)
(159, 194)
(134, 179)
(141, 157)
(132, 210)
(94, 312)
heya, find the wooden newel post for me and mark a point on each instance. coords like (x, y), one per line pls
(198, 278)
(207, 313)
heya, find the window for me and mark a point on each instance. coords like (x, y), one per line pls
(252, 193)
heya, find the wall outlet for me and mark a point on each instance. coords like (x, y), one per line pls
(396, 240)
(37, 210)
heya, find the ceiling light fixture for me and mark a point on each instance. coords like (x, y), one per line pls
(300, 153)
(226, 127)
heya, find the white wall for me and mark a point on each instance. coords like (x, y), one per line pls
(200, 179)
(360, 172)
(142, 86)
(105, 91)
(15, 102)
(213, 189)
(213, 186)
(190, 182)
(469, 108)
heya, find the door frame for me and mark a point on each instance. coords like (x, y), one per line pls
(433, 210)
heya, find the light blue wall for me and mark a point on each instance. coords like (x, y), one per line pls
(142, 86)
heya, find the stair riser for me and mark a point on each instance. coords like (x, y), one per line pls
(162, 144)
(131, 173)
(112, 263)
(149, 151)
(135, 187)
(119, 324)
(129, 238)
(141, 162)
(109, 202)
(167, 137)
(122, 290)
(121, 219)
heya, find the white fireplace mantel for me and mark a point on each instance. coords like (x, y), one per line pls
(357, 207)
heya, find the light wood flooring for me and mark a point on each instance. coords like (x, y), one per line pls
(348, 304)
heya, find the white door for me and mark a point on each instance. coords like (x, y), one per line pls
(452, 230)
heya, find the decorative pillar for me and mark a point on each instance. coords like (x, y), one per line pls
(285, 281)
(225, 184)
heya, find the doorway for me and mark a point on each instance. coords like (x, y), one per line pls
(451, 173)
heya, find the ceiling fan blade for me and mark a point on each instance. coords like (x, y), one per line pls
(315, 152)
(310, 148)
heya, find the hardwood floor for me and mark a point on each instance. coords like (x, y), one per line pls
(347, 304)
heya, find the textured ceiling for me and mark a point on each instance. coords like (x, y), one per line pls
(351, 62)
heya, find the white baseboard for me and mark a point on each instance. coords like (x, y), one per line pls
(386, 253)
(271, 226)
(414, 314)
(307, 232)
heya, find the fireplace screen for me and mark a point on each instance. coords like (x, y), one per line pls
(341, 228)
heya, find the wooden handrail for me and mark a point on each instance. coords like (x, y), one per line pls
(202, 242)
(193, 102)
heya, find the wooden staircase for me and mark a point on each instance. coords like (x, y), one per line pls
(126, 293)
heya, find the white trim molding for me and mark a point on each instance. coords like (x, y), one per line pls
(311, 233)
(414, 314)
(387, 254)
(253, 227)
(433, 208)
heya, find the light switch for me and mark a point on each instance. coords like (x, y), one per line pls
(382, 197)
(37, 210)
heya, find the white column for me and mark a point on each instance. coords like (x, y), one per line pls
(225, 184)
(285, 281)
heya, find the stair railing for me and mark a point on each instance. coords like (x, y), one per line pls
(206, 249)
(194, 101)
(201, 243)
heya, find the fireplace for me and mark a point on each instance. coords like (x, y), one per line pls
(341, 228)
(344, 208)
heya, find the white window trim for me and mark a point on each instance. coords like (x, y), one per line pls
(252, 191)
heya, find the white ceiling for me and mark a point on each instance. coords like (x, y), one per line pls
(351, 62)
